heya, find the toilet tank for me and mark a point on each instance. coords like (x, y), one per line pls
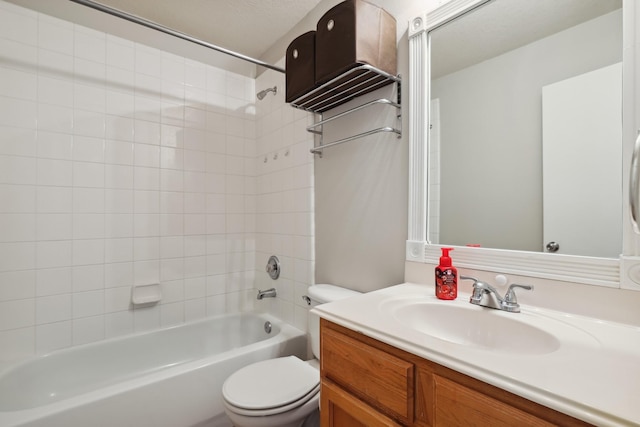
(320, 294)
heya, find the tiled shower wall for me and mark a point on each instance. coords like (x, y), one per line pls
(120, 165)
(284, 205)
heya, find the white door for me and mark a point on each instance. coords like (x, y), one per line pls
(582, 155)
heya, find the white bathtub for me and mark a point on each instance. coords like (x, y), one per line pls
(171, 377)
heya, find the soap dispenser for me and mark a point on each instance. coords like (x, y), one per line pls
(446, 277)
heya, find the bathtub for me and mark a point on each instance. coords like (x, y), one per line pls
(171, 377)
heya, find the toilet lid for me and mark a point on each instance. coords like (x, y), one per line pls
(270, 384)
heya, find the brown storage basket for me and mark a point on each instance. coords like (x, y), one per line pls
(300, 65)
(353, 33)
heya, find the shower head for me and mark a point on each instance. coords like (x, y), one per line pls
(264, 93)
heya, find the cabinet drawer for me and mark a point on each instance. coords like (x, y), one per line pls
(378, 378)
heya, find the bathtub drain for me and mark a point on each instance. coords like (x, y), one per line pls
(267, 327)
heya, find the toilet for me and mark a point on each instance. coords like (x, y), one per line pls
(281, 392)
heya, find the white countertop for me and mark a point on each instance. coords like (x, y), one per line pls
(594, 375)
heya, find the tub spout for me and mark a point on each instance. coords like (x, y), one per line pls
(269, 293)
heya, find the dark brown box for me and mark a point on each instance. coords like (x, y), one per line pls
(354, 33)
(300, 65)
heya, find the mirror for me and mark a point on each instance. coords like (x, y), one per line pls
(525, 138)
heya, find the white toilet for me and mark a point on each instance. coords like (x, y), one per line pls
(285, 391)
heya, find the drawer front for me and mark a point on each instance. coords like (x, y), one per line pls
(378, 378)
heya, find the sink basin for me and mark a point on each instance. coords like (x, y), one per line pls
(477, 327)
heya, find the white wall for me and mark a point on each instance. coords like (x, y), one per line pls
(120, 164)
(493, 178)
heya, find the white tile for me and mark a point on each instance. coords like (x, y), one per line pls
(118, 201)
(119, 152)
(146, 178)
(55, 91)
(55, 172)
(119, 128)
(17, 227)
(18, 84)
(146, 248)
(171, 314)
(146, 319)
(19, 55)
(171, 158)
(119, 103)
(119, 176)
(171, 247)
(147, 155)
(118, 225)
(89, 123)
(148, 61)
(88, 329)
(171, 180)
(195, 161)
(146, 225)
(148, 109)
(17, 24)
(17, 344)
(118, 324)
(54, 118)
(88, 226)
(54, 226)
(146, 132)
(17, 285)
(195, 267)
(91, 46)
(172, 136)
(52, 145)
(88, 71)
(55, 64)
(119, 54)
(171, 224)
(54, 199)
(55, 37)
(53, 308)
(118, 250)
(120, 79)
(17, 314)
(88, 174)
(88, 252)
(87, 278)
(195, 182)
(195, 203)
(87, 149)
(171, 269)
(117, 299)
(54, 254)
(195, 245)
(88, 200)
(118, 274)
(146, 201)
(195, 224)
(16, 141)
(89, 303)
(171, 202)
(53, 281)
(17, 256)
(53, 336)
(216, 223)
(18, 112)
(146, 272)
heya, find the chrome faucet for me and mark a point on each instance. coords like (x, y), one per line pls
(486, 295)
(269, 293)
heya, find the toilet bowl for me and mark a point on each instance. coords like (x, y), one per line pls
(281, 392)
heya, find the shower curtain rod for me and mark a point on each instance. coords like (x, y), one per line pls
(150, 24)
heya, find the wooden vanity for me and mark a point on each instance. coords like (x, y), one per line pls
(366, 382)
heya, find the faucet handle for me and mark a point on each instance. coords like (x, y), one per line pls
(510, 302)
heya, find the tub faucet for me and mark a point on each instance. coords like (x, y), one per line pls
(486, 295)
(269, 293)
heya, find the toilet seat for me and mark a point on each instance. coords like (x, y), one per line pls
(271, 387)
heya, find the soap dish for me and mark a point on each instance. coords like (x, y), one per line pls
(146, 294)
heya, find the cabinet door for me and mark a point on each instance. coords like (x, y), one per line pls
(457, 405)
(340, 409)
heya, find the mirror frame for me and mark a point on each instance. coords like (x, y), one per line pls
(623, 272)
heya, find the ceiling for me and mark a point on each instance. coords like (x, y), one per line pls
(249, 27)
(503, 25)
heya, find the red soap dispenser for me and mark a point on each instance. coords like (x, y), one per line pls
(446, 277)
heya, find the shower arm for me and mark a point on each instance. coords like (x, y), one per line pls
(150, 24)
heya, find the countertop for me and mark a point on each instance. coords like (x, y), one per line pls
(594, 375)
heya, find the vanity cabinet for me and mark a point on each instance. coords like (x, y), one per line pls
(368, 383)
